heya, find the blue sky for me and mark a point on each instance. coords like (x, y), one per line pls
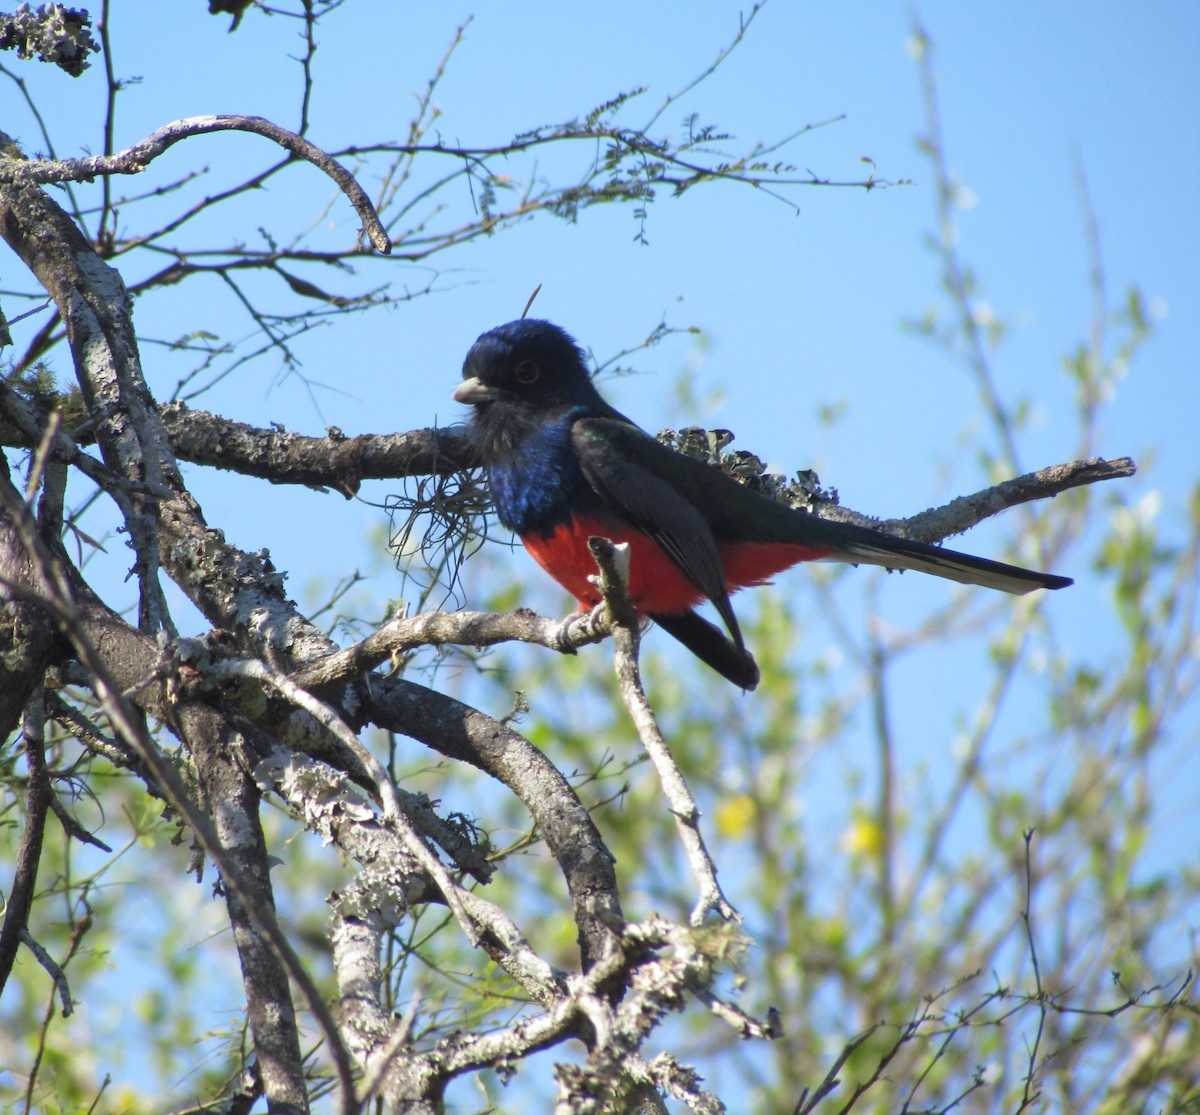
(798, 309)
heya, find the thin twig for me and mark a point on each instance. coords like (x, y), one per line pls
(53, 970)
(1028, 1099)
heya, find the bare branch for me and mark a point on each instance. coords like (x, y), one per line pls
(613, 562)
(462, 733)
(19, 898)
(473, 629)
(135, 159)
(53, 970)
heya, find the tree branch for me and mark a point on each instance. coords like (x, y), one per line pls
(613, 562)
(135, 159)
(200, 728)
(333, 461)
(433, 629)
(462, 733)
(19, 899)
(964, 512)
(342, 463)
(232, 799)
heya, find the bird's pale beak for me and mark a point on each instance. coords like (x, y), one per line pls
(473, 391)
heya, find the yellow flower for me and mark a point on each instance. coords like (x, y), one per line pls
(864, 837)
(735, 816)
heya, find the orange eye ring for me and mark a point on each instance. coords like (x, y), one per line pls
(527, 372)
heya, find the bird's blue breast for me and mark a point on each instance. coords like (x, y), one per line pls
(538, 484)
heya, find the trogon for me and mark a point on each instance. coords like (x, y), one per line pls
(563, 465)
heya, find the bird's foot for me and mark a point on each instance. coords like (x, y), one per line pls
(582, 628)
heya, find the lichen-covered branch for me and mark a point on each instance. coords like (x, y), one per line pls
(334, 461)
(964, 512)
(53, 32)
(656, 961)
(342, 463)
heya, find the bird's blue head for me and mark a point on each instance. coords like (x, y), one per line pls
(529, 363)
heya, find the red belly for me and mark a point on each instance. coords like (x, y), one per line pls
(755, 563)
(656, 583)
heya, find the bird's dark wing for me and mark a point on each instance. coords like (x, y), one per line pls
(733, 513)
(620, 463)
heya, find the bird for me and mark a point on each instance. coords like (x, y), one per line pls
(563, 465)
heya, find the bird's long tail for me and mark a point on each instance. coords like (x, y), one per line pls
(861, 545)
(830, 540)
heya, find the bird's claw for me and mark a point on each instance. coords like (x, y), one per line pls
(581, 628)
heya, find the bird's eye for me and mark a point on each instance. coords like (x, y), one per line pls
(527, 372)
